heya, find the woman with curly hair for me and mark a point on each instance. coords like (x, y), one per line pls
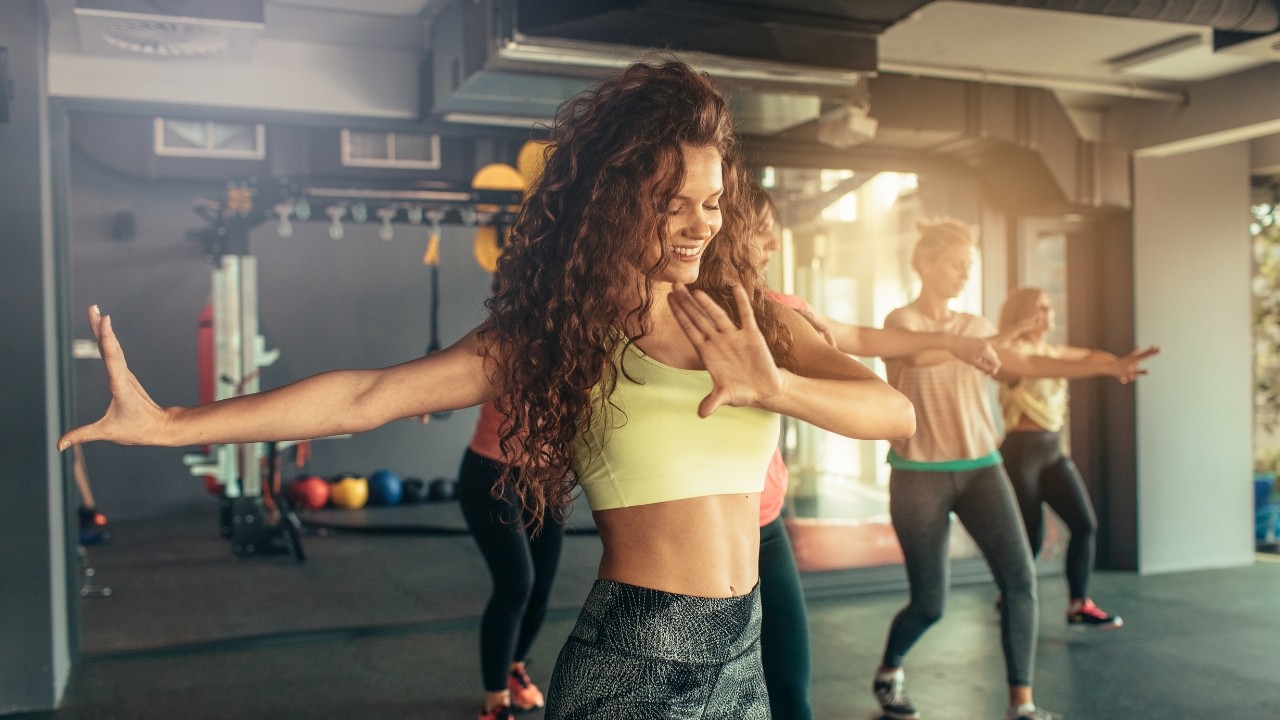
(630, 342)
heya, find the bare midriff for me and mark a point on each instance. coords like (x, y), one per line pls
(704, 546)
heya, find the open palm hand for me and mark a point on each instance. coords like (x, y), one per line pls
(132, 418)
(741, 366)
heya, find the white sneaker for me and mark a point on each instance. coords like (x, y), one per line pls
(1028, 711)
(891, 691)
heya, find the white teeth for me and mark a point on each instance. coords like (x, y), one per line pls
(687, 252)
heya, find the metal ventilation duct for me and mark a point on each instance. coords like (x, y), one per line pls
(811, 33)
(1250, 16)
(170, 28)
(512, 62)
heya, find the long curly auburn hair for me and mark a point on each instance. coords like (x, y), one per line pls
(577, 274)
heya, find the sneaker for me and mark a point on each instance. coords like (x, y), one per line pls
(1092, 617)
(1028, 711)
(891, 691)
(502, 712)
(524, 694)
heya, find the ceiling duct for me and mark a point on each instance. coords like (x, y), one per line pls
(170, 28)
(1249, 28)
(1018, 140)
(512, 62)
(809, 33)
(1247, 16)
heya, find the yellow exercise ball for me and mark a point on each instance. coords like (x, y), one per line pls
(351, 492)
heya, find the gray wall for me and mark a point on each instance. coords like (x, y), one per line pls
(325, 304)
(35, 635)
(1195, 410)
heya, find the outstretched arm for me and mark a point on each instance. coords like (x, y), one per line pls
(333, 403)
(1074, 364)
(896, 342)
(830, 389)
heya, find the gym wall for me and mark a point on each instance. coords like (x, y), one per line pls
(324, 303)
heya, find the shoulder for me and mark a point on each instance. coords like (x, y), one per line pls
(976, 325)
(794, 302)
(903, 317)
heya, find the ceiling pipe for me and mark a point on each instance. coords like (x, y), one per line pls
(579, 53)
(1250, 16)
(1048, 82)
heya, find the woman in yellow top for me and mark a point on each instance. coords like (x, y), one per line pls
(630, 341)
(1035, 409)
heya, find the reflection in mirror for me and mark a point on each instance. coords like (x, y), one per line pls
(846, 242)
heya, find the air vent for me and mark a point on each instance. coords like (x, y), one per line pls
(167, 38)
(209, 139)
(418, 151)
(170, 28)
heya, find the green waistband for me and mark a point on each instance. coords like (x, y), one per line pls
(898, 462)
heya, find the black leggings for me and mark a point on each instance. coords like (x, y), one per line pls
(784, 626)
(522, 568)
(1041, 473)
(920, 504)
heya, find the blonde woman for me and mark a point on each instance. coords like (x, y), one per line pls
(1035, 408)
(952, 465)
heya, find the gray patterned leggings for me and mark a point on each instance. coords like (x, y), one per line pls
(643, 654)
(921, 503)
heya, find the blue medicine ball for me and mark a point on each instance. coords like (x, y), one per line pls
(385, 488)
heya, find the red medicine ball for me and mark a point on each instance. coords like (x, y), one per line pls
(310, 492)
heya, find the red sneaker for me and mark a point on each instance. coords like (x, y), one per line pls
(524, 694)
(1092, 617)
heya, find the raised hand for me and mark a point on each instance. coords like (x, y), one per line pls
(132, 418)
(741, 366)
(1129, 367)
(1030, 325)
(820, 327)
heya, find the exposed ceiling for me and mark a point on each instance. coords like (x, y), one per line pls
(790, 64)
(1077, 53)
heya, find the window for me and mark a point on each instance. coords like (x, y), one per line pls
(390, 150)
(209, 139)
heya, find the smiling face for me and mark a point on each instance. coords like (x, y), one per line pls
(947, 272)
(693, 216)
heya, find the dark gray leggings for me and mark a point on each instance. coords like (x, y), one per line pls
(921, 503)
(1042, 474)
(784, 627)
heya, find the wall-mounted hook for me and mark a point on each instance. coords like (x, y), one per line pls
(283, 211)
(335, 213)
(386, 214)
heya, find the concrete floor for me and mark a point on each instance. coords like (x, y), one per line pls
(384, 626)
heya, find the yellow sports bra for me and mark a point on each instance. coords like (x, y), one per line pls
(652, 447)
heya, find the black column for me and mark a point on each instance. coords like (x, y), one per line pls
(35, 588)
(1103, 420)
